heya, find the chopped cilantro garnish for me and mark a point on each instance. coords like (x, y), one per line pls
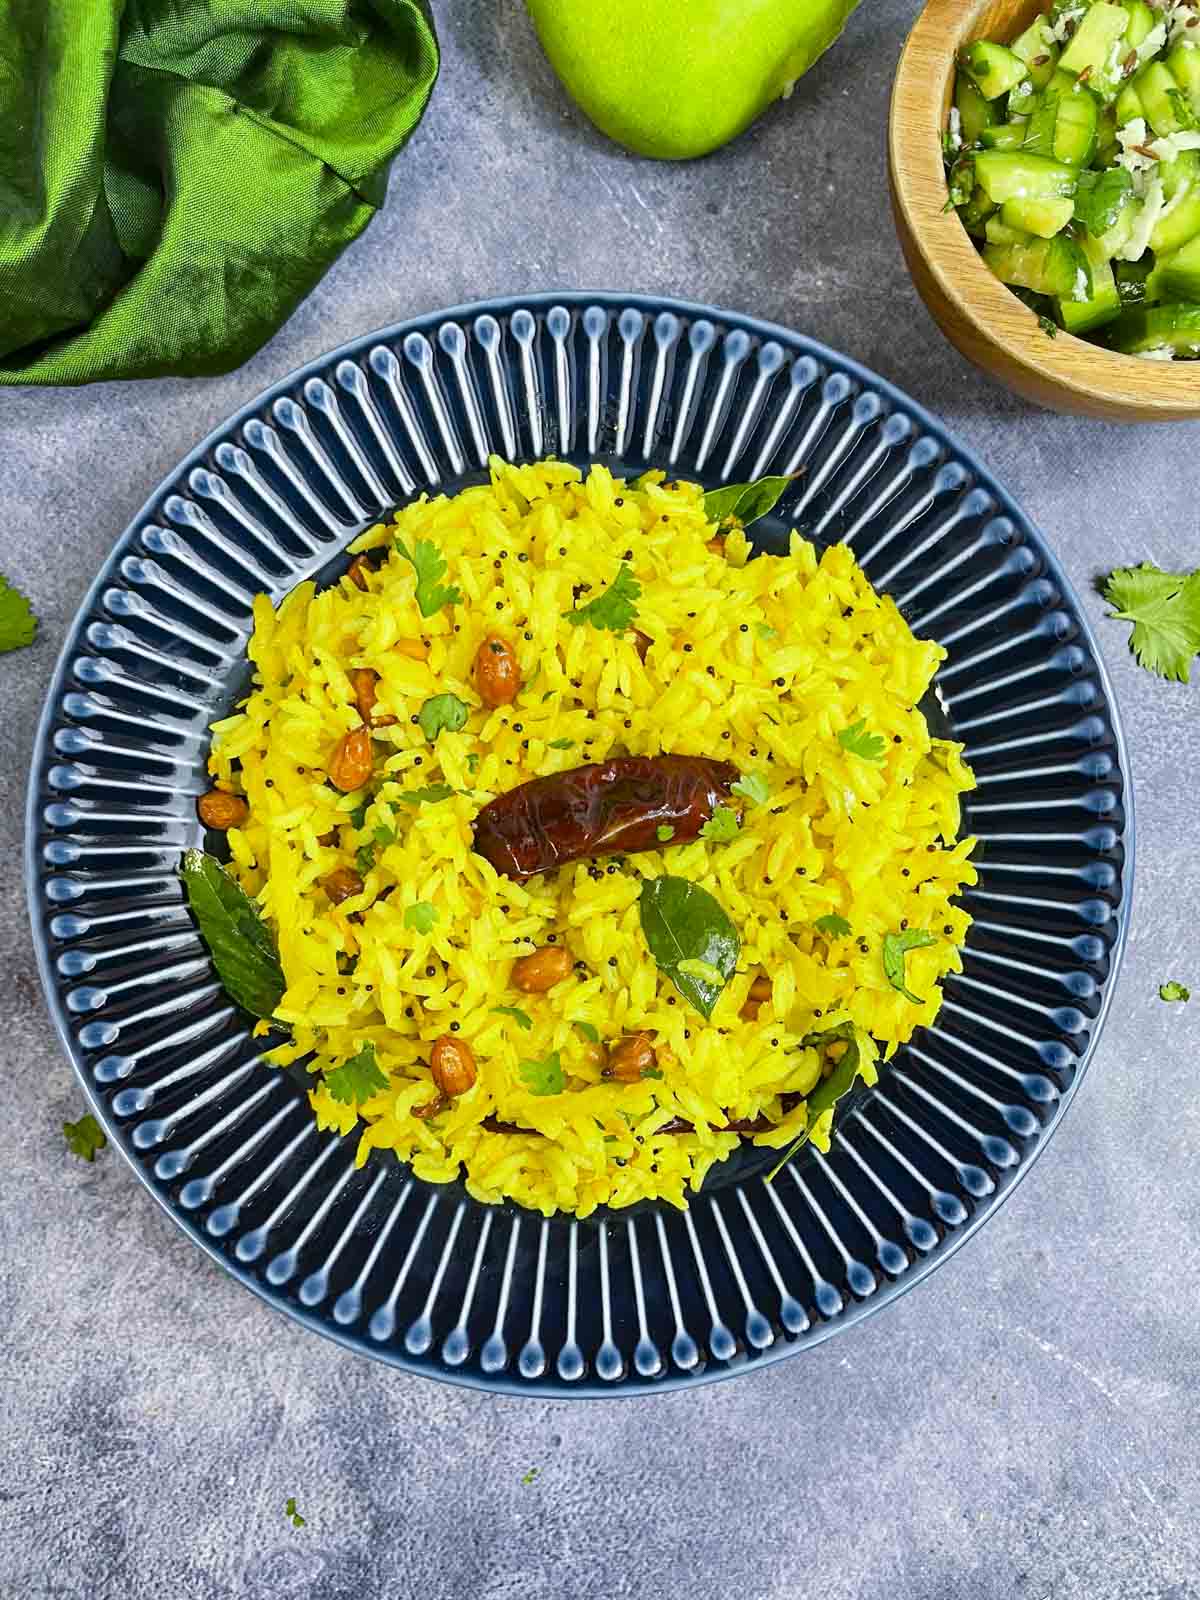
(833, 925)
(752, 786)
(663, 832)
(855, 739)
(442, 711)
(721, 827)
(543, 1077)
(364, 858)
(560, 744)
(385, 836)
(357, 1079)
(1048, 326)
(85, 1137)
(764, 630)
(430, 569)
(588, 1030)
(431, 795)
(615, 609)
(421, 916)
(358, 816)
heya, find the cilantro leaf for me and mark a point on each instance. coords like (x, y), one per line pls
(663, 832)
(833, 925)
(588, 1030)
(1048, 326)
(431, 795)
(1173, 991)
(364, 859)
(531, 1475)
(721, 827)
(895, 947)
(521, 1018)
(429, 567)
(543, 1077)
(385, 836)
(241, 945)
(358, 816)
(560, 744)
(1100, 197)
(18, 625)
(85, 1137)
(1164, 608)
(615, 609)
(752, 786)
(421, 916)
(870, 746)
(290, 1511)
(357, 1079)
(764, 630)
(443, 711)
(472, 764)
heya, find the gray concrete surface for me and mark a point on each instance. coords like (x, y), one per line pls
(1022, 1427)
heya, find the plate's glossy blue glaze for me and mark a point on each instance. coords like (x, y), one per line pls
(424, 1277)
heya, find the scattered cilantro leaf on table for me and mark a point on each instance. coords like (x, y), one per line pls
(18, 625)
(292, 1514)
(613, 610)
(721, 827)
(421, 916)
(895, 947)
(84, 1138)
(430, 569)
(545, 1076)
(856, 740)
(1164, 608)
(531, 1475)
(1173, 991)
(521, 1018)
(357, 1079)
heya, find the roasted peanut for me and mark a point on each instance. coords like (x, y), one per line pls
(452, 1064)
(717, 545)
(343, 883)
(357, 572)
(641, 643)
(540, 971)
(497, 674)
(329, 838)
(760, 989)
(414, 649)
(365, 684)
(631, 1057)
(350, 766)
(749, 1012)
(438, 1103)
(221, 811)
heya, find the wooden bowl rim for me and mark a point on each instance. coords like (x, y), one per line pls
(914, 147)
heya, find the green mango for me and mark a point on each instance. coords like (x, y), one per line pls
(674, 80)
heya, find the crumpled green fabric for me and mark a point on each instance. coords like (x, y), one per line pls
(176, 175)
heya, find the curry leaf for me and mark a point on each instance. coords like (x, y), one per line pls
(239, 941)
(521, 1018)
(588, 1030)
(682, 922)
(744, 502)
(829, 1090)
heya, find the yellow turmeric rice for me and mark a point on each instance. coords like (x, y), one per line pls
(790, 667)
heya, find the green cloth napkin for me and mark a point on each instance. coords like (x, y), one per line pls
(176, 175)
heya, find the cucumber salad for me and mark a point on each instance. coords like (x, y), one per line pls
(1073, 158)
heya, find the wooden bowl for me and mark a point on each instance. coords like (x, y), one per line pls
(975, 311)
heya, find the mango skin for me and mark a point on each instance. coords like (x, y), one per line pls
(675, 79)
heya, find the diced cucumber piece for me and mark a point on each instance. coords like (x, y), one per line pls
(997, 231)
(1077, 124)
(1013, 175)
(975, 112)
(1101, 28)
(1177, 276)
(1132, 281)
(994, 68)
(1183, 63)
(1050, 266)
(1044, 218)
(976, 212)
(1129, 106)
(1165, 327)
(1005, 136)
(1115, 238)
(1038, 49)
(1107, 148)
(1166, 106)
(1180, 219)
(1104, 304)
(1141, 21)
(1022, 99)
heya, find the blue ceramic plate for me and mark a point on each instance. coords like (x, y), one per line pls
(425, 1277)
